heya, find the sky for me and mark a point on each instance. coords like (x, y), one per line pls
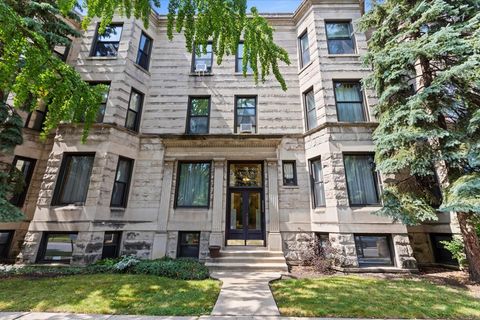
(268, 6)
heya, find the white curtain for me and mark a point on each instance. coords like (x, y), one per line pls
(193, 184)
(349, 102)
(318, 189)
(361, 180)
(76, 179)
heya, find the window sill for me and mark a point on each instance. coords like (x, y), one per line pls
(290, 187)
(365, 208)
(241, 74)
(142, 69)
(305, 67)
(347, 55)
(68, 207)
(117, 209)
(102, 58)
(201, 74)
(319, 210)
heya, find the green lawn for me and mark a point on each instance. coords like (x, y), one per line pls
(110, 294)
(353, 296)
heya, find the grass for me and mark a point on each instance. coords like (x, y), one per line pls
(110, 294)
(353, 296)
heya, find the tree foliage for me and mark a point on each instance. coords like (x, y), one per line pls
(32, 74)
(425, 56)
(202, 21)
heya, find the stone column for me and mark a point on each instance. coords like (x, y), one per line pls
(274, 237)
(160, 239)
(216, 237)
(403, 252)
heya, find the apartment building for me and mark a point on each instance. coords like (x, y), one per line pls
(187, 154)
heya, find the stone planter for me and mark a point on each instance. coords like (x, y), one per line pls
(214, 251)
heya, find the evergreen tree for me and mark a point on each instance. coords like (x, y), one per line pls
(425, 56)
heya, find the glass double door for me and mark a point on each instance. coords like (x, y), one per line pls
(245, 218)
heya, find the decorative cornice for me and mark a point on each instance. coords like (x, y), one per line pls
(222, 141)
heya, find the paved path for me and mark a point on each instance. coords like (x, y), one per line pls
(245, 294)
(71, 316)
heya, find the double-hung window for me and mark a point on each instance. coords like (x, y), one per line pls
(245, 114)
(316, 178)
(36, 118)
(240, 58)
(362, 179)
(122, 183)
(107, 44)
(103, 103)
(310, 109)
(25, 166)
(202, 61)
(134, 111)
(304, 49)
(111, 244)
(198, 115)
(144, 51)
(73, 179)
(340, 38)
(193, 185)
(349, 98)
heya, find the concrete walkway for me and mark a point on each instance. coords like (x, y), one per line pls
(71, 316)
(245, 294)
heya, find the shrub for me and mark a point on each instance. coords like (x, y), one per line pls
(320, 255)
(186, 269)
(457, 249)
(40, 271)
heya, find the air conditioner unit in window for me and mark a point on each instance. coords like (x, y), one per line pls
(200, 67)
(246, 128)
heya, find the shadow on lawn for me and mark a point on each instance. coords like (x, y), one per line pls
(111, 294)
(368, 297)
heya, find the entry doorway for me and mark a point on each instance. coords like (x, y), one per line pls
(245, 204)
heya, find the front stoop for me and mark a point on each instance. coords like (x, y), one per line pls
(248, 259)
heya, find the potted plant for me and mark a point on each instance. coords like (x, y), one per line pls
(214, 251)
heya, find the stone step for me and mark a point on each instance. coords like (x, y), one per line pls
(250, 253)
(249, 259)
(247, 267)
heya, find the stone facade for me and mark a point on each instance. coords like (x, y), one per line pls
(150, 223)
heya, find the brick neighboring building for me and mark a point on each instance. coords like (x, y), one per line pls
(189, 154)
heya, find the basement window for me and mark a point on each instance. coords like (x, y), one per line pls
(57, 247)
(111, 244)
(373, 250)
(189, 244)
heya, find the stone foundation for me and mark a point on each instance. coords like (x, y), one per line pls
(422, 249)
(137, 243)
(346, 254)
(403, 252)
(30, 247)
(295, 246)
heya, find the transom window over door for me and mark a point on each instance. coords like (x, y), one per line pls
(340, 38)
(73, 180)
(245, 114)
(362, 179)
(202, 61)
(198, 116)
(193, 185)
(304, 49)
(107, 44)
(310, 109)
(349, 98)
